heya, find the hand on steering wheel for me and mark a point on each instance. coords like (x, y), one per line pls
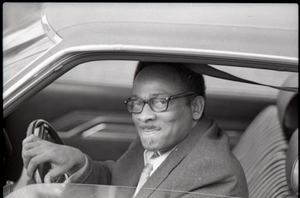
(44, 131)
(45, 157)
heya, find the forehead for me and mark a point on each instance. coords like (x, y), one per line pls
(157, 79)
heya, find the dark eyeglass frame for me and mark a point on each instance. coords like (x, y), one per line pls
(185, 94)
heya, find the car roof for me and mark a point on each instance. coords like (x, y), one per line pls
(269, 30)
(244, 35)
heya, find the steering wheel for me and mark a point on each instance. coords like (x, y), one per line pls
(45, 131)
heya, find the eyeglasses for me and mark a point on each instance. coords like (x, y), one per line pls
(156, 104)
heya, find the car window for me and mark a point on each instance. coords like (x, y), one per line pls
(263, 76)
(113, 73)
(120, 73)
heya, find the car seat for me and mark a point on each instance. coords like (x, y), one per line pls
(262, 149)
(292, 163)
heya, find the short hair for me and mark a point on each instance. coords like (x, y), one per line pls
(192, 81)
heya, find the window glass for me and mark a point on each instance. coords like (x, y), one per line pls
(73, 190)
(23, 44)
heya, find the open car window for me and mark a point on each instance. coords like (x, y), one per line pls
(120, 73)
(112, 73)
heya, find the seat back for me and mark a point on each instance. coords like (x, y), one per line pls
(292, 163)
(262, 148)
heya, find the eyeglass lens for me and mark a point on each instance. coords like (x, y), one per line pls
(156, 104)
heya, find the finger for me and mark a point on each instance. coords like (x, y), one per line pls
(53, 174)
(46, 152)
(30, 150)
(34, 162)
(31, 138)
(31, 145)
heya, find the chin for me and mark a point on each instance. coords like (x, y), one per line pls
(149, 145)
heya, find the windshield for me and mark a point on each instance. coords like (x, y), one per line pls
(24, 43)
(89, 190)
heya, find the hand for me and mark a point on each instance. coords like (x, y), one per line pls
(61, 157)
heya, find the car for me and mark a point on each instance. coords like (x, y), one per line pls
(72, 64)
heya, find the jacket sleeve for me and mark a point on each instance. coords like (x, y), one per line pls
(96, 172)
(102, 172)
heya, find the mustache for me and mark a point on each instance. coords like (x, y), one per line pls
(149, 127)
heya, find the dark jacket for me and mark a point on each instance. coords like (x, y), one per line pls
(201, 163)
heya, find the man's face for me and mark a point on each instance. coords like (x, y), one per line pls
(164, 130)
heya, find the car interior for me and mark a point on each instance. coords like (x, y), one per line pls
(93, 118)
(264, 149)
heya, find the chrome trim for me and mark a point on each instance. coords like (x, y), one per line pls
(172, 50)
(133, 48)
(189, 51)
(49, 31)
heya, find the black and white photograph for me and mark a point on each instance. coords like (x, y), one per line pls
(150, 100)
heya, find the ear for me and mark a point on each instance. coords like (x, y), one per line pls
(197, 106)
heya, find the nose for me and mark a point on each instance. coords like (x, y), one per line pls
(147, 114)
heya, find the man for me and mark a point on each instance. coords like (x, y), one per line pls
(178, 149)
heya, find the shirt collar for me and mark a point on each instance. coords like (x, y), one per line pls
(148, 154)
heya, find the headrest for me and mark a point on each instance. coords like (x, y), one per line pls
(287, 104)
(292, 162)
